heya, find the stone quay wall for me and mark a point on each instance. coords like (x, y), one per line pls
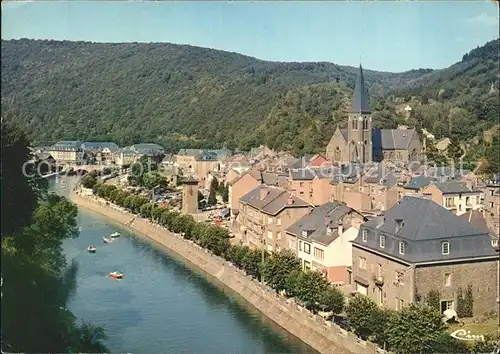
(321, 335)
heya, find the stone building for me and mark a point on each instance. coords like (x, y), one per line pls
(491, 211)
(361, 142)
(454, 196)
(417, 247)
(67, 151)
(264, 215)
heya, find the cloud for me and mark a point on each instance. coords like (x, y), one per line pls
(483, 19)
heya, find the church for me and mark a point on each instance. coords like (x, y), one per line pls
(361, 143)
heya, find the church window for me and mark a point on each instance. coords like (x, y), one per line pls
(365, 124)
(354, 124)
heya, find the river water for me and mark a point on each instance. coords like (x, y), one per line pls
(162, 305)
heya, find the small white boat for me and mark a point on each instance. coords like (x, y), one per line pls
(115, 234)
(91, 248)
(107, 240)
(116, 275)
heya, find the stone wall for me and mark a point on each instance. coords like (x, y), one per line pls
(323, 336)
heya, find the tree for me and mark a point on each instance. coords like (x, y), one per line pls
(361, 315)
(309, 287)
(493, 155)
(415, 329)
(433, 300)
(212, 196)
(454, 151)
(332, 300)
(469, 302)
(276, 269)
(89, 181)
(225, 193)
(251, 262)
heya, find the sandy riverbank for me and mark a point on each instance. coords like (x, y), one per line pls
(309, 328)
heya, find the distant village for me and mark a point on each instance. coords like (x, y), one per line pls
(369, 214)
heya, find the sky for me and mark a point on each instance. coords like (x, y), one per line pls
(383, 35)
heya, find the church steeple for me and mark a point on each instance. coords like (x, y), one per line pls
(360, 103)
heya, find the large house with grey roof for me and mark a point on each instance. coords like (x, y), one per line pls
(321, 240)
(458, 197)
(264, 215)
(418, 247)
(360, 142)
(67, 151)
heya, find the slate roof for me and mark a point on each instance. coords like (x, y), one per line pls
(476, 218)
(274, 200)
(148, 148)
(445, 173)
(189, 152)
(453, 187)
(387, 139)
(91, 145)
(360, 102)
(346, 173)
(316, 222)
(206, 156)
(417, 182)
(67, 145)
(396, 139)
(380, 176)
(425, 225)
(303, 174)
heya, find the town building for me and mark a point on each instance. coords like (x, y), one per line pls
(417, 247)
(265, 213)
(321, 240)
(67, 151)
(454, 196)
(361, 142)
(101, 152)
(310, 185)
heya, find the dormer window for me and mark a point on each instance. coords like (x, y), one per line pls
(382, 241)
(401, 248)
(329, 230)
(445, 248)
(304, 233)
(364, 235)
(399, 225)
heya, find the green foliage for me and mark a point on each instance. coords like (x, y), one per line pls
(362, 315)
(212, 196)
(454, 151)
(447, 344)
(216, 98)
(89, 181)
(460, 303)
(433, 300)
(493, 155)
(36, 286)
(225, 193)
(19, 199)
(332, 300)
(276, 269)
(489, 344)
(309, 287)
(433, 155)
(415, 329)
(469, 302)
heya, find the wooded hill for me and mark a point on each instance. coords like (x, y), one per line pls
(185, 96)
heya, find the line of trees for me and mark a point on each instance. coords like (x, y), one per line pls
(36, 284)
(417, 328)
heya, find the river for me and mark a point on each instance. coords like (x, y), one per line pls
(162, 305)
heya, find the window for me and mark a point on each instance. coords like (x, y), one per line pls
(278, 235)
(445, 248)
(300, 245)
(269, 220)
(362, 262)
(307, 248)
(399, 278)
(270, 235)
(307, 265)
(379, 270)
(319, 253)
(401, 248)
(447, 279)
(401, 304)
(450, 202)
(269, 248)
(301, 184)
(399, 224)
(467, 201)
(278, 221)
(491, 205)
(365, 235)
(446, 305)
(382, 241)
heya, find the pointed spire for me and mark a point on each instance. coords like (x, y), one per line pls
(360, 102)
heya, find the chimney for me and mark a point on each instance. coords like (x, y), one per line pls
(340, 228)
(289, 201)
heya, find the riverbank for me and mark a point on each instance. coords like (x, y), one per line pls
(320, 335)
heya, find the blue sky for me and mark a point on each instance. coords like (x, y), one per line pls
(388, 36)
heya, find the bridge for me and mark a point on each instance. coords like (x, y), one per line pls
(86, 168)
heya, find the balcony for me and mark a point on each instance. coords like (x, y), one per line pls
(378, 280)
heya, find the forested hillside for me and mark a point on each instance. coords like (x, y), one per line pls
(185, 96)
